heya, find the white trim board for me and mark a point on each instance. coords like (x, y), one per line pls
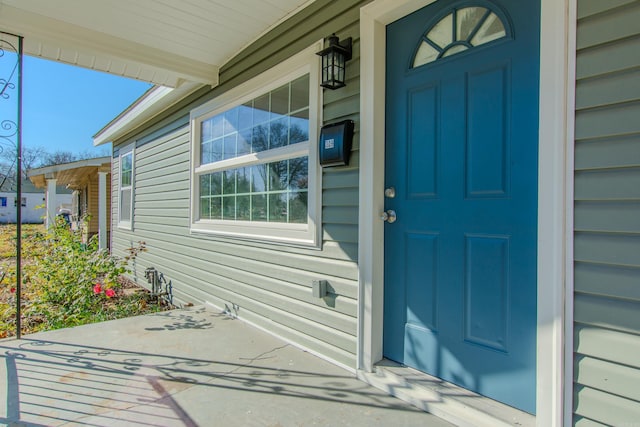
(555, 205)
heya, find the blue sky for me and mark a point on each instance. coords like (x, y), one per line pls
(64, 106)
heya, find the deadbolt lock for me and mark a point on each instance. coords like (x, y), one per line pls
(390, 192)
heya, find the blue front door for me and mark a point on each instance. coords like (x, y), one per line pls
(461, 154)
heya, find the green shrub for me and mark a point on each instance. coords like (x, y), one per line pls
(75, 282)
(66, 281)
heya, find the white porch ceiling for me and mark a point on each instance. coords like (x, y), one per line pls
(163, 42)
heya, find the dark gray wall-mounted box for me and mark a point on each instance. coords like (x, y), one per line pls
(335, 143)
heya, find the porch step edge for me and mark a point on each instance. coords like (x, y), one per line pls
(444, 400)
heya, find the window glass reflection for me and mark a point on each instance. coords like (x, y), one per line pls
(279, 133)
(265, 192)
(491, 29)
(277, 207)
(275, 119)
(280, 102)
(273, 192)
(229, 207)
(298, 208)
(467, 19)
(460, 30)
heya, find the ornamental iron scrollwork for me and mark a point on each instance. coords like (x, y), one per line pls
(10, 61)
(11, 138)
(7, 84)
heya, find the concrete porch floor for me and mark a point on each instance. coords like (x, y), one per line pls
(190, 367)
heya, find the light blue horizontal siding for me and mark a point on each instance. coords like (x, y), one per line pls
(264, 283)
(607, 215)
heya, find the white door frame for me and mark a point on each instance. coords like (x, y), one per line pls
(555, 197)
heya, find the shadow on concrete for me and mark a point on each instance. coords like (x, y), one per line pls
(59, 381)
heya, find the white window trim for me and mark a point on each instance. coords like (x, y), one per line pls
(308, 235)
(555, 202)
(125, 151)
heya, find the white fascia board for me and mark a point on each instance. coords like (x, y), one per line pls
(40, 30)
(149, 105)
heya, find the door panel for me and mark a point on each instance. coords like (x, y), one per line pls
(486, 290)
(487, 169)
(422, 167)
(421, 254)
(461, 152)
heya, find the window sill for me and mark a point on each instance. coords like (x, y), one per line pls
(125, 226)
(300, 235)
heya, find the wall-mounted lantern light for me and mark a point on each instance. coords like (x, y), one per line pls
(334, 60)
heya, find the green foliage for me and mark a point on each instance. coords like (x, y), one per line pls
(69, 282)
(74, 278)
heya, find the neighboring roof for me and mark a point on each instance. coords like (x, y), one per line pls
(28, 187)
(71, 175)
(162, 42)
(9, 186)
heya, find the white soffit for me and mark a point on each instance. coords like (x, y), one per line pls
(159, 41)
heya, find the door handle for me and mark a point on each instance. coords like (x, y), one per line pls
(389, 216)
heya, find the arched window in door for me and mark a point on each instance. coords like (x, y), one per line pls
(460, 29)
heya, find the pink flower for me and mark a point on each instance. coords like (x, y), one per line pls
(110, 293)
(97, 288)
